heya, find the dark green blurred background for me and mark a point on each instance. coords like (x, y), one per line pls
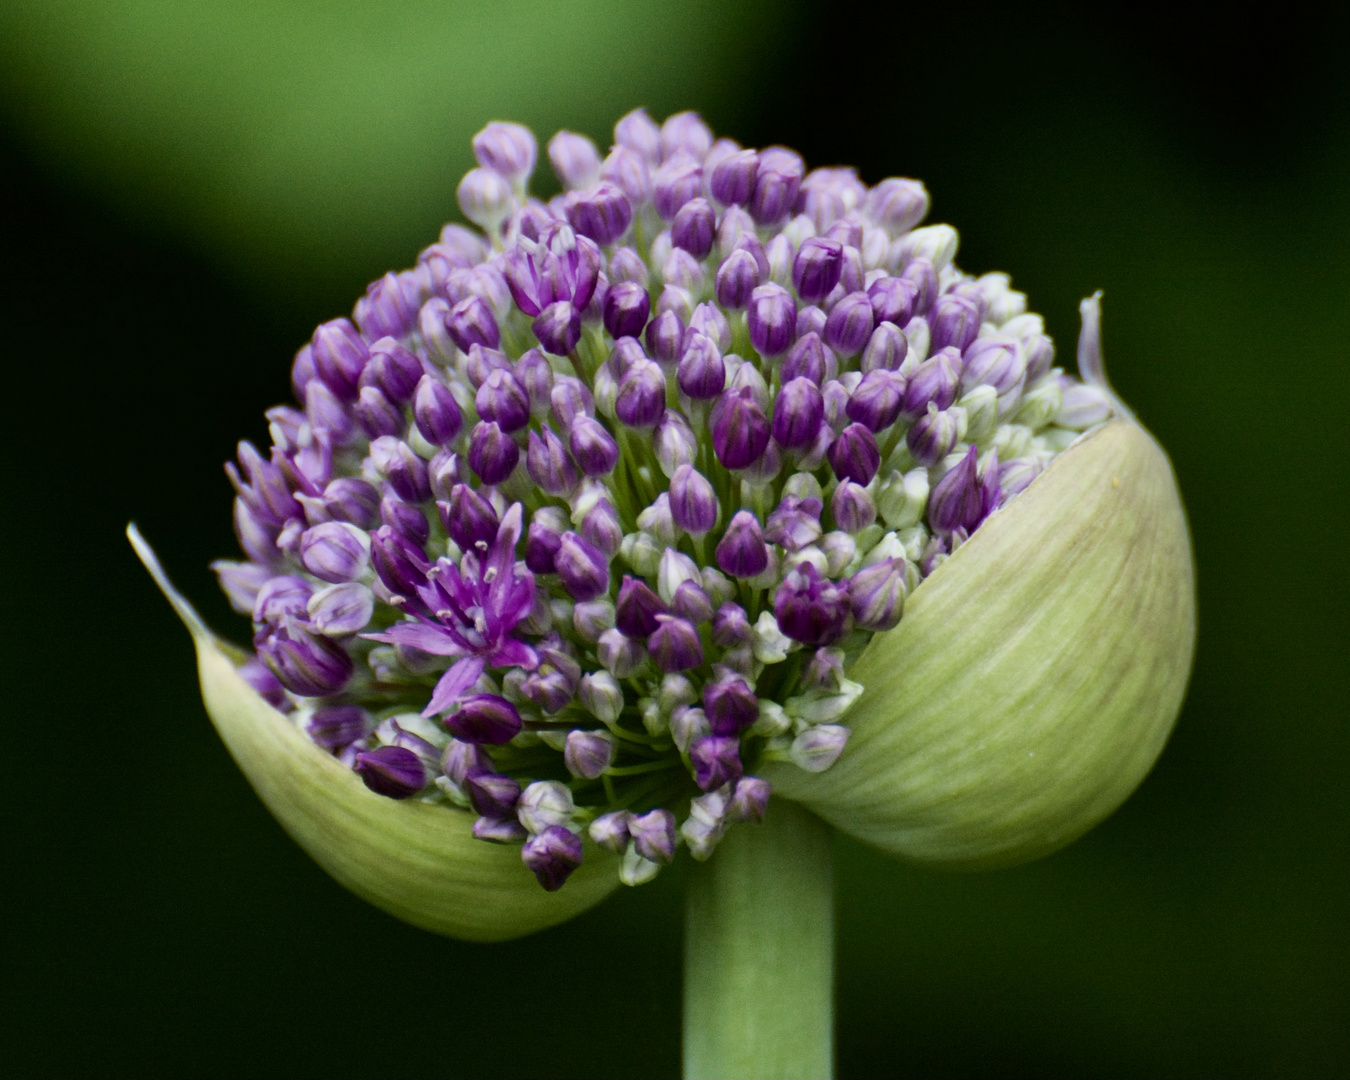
(187, 188)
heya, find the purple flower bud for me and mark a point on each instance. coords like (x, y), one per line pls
(498, 830)
(610, 831)
(994, 361)
(637, 608)
(542, 541)
(627, 307)
(741, 552)
(854, 455)
(486, 198)
(601, 528)
(701, 374)
(620, 655)
(665, 334)
(693, 228)
(570, 400)
(730, 705)
(406, 472)
(877, 594)
(493, 795)
(933, 436)
(637, 131)
(280, 597)
(241, 582)
(685, 131)
(401, 565)
(588, 754)
(376, 414)
(389, 308)
(955, 321)
(733, 178)
(750, 802)
(809, 608)
(302, 371)
(877, 400)
(642, 395)
(795, 523)
(674, 442)
(582, 567)
(575, 160)
(393, 370)
(964, 497)
(674, 644)
(461, 760)
(777, 182)
(593, 446)
(817, 267)
(810, 359)
(481, 362)
(683, 275)
(819, 747)
(852, 507)
(338, 726)
(549, 464)
(552, 855)
(436, 412)
(444, 471)
(730, 626)
(507, 149)
(484, 719)
(897, 205)
(339, 355)
(892, 300)
(678, 180)
(341, 610)
(602, 214)
(886, 349)
(740, 429)
(470, 323)
(591, 618)
(493, 454)
(849, 326)
(716, 760)
(265, 684)
(349, 499)
(469, 518)
(627, 265)
(772, 319)
(333, 551)
(535, 374)
(797, 413)
(691, 602)
(392, 771)
(653, 835)
(737, 278)
(935, 381)
(306, 664)
(627, 171)
(693, 504)
(558, 328)
(1015, 476)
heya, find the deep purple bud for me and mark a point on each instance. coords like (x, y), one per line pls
(582, 567)
(963, 498)
(333, 552)
(484, 719)
(392, 771)
(552, 855)
(702, 375)
(742, 552)
(306, 664)
(809, 358)
(750, 802)
(339, 354)
(955, 321)
(933, 436)
(376, 414)
(886, 349)
(877, 400)
(850, 324)
(593, 446)
(772, 319)
(558, 328)
(665, 334)
(493, 454)
(852, 508)
(797, 413)
(543, 538)
(601, 527)
(892, 300)
(854, 455)
(716, 760)
(740, 429)
(674, 644)
(338, 726)
(627, 306)
(733, 178)
(392, 369)
(570, 400)
(935, 382)
(730, 705)
(637, 608)
(401, 565)
(642, 395)
(436, 412)
(602, 214)
(549, 464)
(737, 278)
(678, 180)
(492, 794)
(470, 323)
(653, 835)
(507, 149)
(817, 267)
(809, 608)
(469, 518)
(693, 504)
(730, 626)
(877, 594)
(694, 227)
(777, 182)
(406, 472)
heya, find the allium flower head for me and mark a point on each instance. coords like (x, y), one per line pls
(621, 508)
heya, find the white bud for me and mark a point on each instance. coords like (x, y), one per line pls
(673, 570)
(772, 720)
(543, 804)
(769, 644)
(641, 551)
(902, 499)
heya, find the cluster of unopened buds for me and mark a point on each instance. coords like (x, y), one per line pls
(585, 518)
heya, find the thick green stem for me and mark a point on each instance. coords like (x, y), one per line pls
(759, 953)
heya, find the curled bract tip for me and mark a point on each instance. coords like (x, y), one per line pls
(1035, 676)
(417, 861)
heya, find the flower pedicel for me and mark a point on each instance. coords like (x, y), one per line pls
(711, 477)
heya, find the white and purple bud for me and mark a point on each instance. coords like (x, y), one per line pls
(549, 464)
(601, 694)
(902, 499)
(850, 322)
(602, 214)
(393, 370)
(575, 160)
(852, 508)
(772, 319)
(687, 724)
(601, 528)
(892, 300)
(241, 582)
(627, 171)
(653, 835)
(877, 595)
(737, 278)
(956, 322)
(794, 523)
(544, 804)
(436, 412)
(777, 183)
(897, 204)
(341, 610)
(471, 322)
(593, 447)
(553, 855)
(376, 414)
(621, 655)
(1083, 406)
(656, 521)
(487, 199)
(693, 229)
(733, 178)
(750, 801)
(693, 503)
(935, 434)
(678, 180)
(810, 358)
(508, 150)
(642, 395)
(558, 327)
(934, 381)
(716, 760)
(1016, 475)
(334, 551)
(570, 400)
(305, 664)
(819, 747)
(642, 551)
(691, 602)
(339, 355)
(877, 400)
(610, 831)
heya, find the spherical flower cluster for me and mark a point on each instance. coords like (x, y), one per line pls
(584, 519)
